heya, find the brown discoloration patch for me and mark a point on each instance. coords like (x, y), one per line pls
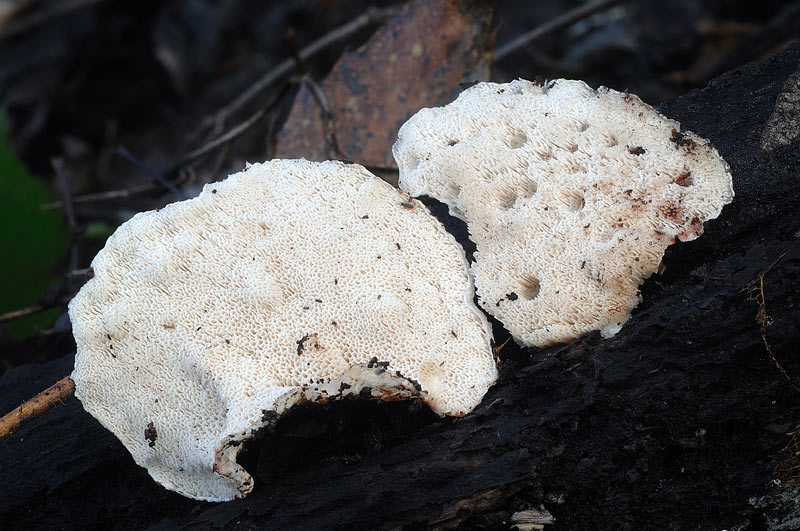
(150, 434)
(681, 140)
(693, 230)
(636, 150)
(671, 211)
(684, 179)
(308, 341)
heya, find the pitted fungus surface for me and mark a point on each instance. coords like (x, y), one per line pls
(291, 281)
(571, 195)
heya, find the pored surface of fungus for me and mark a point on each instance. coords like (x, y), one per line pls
(571, 195)
(285, 283)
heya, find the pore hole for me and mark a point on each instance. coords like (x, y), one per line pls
(575, 202)
(517, 140)
(507, 198)
(528, 288)
(529, 188)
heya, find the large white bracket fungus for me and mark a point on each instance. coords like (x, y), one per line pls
(290, 282)
(570, 194)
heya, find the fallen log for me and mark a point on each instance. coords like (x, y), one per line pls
(678, 422)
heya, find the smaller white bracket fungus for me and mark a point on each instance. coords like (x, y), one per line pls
(570, 194)
(286, 283)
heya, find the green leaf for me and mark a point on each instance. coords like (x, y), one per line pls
(31, 242)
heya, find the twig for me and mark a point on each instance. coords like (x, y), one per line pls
(789, 467)
(332, 144)
(59, 9)
(558, 23)
(54, 395)
(30, 310)
(498, 349)
(22, 312)
(372, 16)
(761, 319)
(172, 167)
(63, 187)
(66, 200)
(8, 12)
(227, 137)
(85, 272)
(222, 158)
(123, 152)
(103, 196)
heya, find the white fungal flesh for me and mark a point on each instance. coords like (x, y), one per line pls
(210, 317)
(570, 194)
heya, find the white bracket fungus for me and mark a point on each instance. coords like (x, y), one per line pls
(571, 195)
(286, 283)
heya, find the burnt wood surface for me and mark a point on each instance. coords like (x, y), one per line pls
(676, 423)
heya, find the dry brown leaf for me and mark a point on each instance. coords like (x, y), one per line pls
(416, 60)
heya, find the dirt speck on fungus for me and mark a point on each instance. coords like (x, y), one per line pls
(150, 434)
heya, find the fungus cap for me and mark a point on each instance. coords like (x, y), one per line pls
(570, 194)
(292, 281)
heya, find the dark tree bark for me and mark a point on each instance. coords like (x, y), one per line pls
(677, 422)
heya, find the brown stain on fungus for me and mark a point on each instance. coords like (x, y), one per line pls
(308, 341)
(680, 140)
(684, 179)
(301, 344)
(636, 150)
(671, 211)
(407, 205)
(150, 435)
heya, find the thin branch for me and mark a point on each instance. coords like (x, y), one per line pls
(103, 196)
(22, 312)
(66, 200)
(558, 23)
(123, 152)
(58, 10)
(30, 310)
(172, 167)
(56, 394)
(227, 137)
(9, 11)
(63, 187)
(757, 296)
(332, 144)
(372, 16)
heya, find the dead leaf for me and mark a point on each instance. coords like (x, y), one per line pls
(416, 60)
